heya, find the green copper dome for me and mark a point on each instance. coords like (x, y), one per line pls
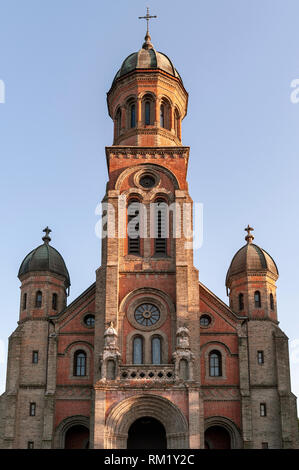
(45, 258)
(147, 58)
(251, 259)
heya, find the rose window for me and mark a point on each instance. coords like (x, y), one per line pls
(147, 314)
(147, 181)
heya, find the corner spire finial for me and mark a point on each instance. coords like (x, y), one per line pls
(249, 237)
(46, 238)
(147, 44)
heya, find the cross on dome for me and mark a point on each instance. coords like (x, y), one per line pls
(46, 238)
(249, 237)
(147, 44)
(147, 18)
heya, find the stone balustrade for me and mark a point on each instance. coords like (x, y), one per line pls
(149, 372)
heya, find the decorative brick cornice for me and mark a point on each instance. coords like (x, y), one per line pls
(147, 152)
(44, 319)
(33, 386)
(221, 393)
(263, 319)
(73, 392)
(246, 277)
(142, 385)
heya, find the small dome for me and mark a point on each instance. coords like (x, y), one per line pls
(45, 258)
(147, 58)
(251, 258)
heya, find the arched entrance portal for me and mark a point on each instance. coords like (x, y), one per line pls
(77, 437)
(147, 433)
(217, 437)
(126, 413)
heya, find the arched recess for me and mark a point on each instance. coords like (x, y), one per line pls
(146, 166)
(125, 413)
(65, 425)
(149, 294)
(236, 441)
(147, 290)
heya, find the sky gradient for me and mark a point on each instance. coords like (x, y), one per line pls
(237, 60)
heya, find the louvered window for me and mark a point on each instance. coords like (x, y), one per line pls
(133, 227)
(147, 113)
(161, 220)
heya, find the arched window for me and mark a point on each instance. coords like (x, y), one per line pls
(133, 227)
(138, 350)
(24, 301)
(32, 409)
(80, 364)
(241, 302)
(54, 301)
(133, 115)
(118, 122)
(162, 115)
(165, 110)
(147, 110)
(156, 350)
(161, 227)
(257, 299)
(177, 123)
(38, 299)
(271, 302)
(215, 364)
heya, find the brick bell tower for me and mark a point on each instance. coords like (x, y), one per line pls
(147, 295)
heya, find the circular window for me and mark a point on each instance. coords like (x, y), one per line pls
(205, 320)
(89, 320)
(147, 314)
(147, 181)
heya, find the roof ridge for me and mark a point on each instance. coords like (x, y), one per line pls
(221, 301)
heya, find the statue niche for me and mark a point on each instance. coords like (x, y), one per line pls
(183, 358)
(110, 358)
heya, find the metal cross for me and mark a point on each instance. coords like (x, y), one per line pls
(248, 229)
(47, 230)
(249, 237)
(147, 17)
(46, 238)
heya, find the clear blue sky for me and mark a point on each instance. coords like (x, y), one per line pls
(237, 59)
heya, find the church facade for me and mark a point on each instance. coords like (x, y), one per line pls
(148, 356)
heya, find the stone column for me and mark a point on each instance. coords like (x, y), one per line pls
(139, 112)
(50, 389)
(287, 415)
(123, 119)
(157, 113)
(99, 419)
(244, 389)
(171, 119)
(194, 419)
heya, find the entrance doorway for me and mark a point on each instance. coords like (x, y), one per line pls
(147, 433)
(77, 437)
(217, 437)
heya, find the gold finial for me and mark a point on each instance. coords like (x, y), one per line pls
(46, 238)
(249, 237)
(147, 44)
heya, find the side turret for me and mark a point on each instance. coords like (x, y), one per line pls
(30, 384)
(45, 281)
(251, 282)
